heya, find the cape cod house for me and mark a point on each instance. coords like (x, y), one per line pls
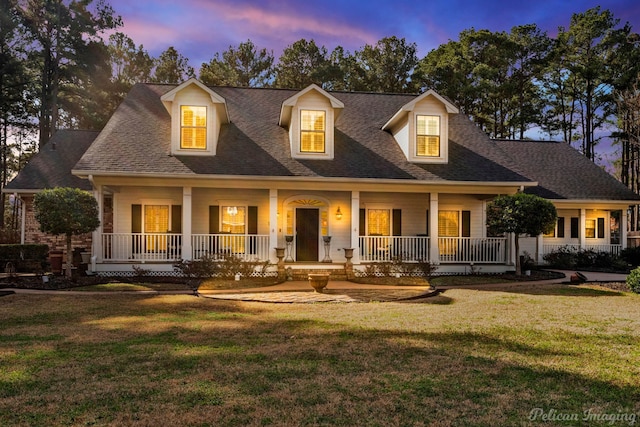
(181, 171)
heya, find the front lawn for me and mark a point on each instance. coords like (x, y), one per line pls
(467, 357)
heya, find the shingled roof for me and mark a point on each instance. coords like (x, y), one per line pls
(137, 141)
(51, 166)
(562, 172)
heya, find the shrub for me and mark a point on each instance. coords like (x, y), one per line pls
(631, 256)
(25, 258)
(426, 268)
(562, 257)
(633, 280)
(206, 266)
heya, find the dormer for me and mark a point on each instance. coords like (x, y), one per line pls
(197, 113)
(421, 128)
(310, 117)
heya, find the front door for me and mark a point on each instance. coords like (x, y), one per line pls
(307, 226)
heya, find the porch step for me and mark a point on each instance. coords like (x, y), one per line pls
(336, 272)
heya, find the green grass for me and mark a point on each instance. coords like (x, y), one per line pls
(467, 358)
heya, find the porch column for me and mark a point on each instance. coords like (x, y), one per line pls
(96, 237)
(434, 251)
(273, 224)
(623, 228)
(539, 248)
(355, 226)
(583, 227)
(187, 248)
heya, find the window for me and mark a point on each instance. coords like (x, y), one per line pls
(193, 127)
(312, 131)
(558, 230)
(428, 136)
(590, 229)
(448, 224)
(156, 221)
(233, 222)
(378, 222)
(233, 219)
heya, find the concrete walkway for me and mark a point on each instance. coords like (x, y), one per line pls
(336, 290)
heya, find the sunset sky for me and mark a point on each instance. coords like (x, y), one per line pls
(200, 28)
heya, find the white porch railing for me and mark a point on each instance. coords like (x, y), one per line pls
(249, 247)
(167, 247)
(387, 248)
(141, 246)
(612, 249)
(490, 250)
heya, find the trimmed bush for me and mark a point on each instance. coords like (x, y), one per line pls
(633, 280)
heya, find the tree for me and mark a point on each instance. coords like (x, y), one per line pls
(244, 66)
(129, 65)
(63, 34)
(520, 213)
(302, 64)
(66, 211)
(579, 82)
(16, 92)
(172, 67)
(388, 66)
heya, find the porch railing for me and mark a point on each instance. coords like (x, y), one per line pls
(387, 248)
(491, 250)
(611, 249)
(167, 247)
(249, 247)
(141, 246)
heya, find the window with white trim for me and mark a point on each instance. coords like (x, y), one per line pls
(427, 136)
(312, 131)
(193, 127)
(378, 222)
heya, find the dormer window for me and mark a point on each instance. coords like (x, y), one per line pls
(312, 131)
(427, 136)
(309, 117)
(193, 127)
(197, 116)
(421, 128)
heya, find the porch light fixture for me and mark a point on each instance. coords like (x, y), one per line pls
(338, 214)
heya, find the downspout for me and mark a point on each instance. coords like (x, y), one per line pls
(23, 218)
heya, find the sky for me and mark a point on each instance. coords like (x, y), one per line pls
(199, 29)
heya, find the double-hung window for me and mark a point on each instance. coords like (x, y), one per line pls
(379, 222)
(427, 136)
(312, 131)
(193, 127)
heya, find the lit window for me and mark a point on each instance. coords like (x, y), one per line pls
(312, 131)
(428, 136)
(156, 220)
(233, 219)
(590, 229)
(233, 222)
(448, 224)
(193, 127)
(379, 222)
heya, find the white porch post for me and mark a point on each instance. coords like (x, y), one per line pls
(583, 227)
(539, 248)
(434, 251)
(187, 247)
(96, 237)
(623, 228)
(355, 226)
(273, 224)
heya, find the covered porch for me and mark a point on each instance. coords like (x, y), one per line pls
(159, 226)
